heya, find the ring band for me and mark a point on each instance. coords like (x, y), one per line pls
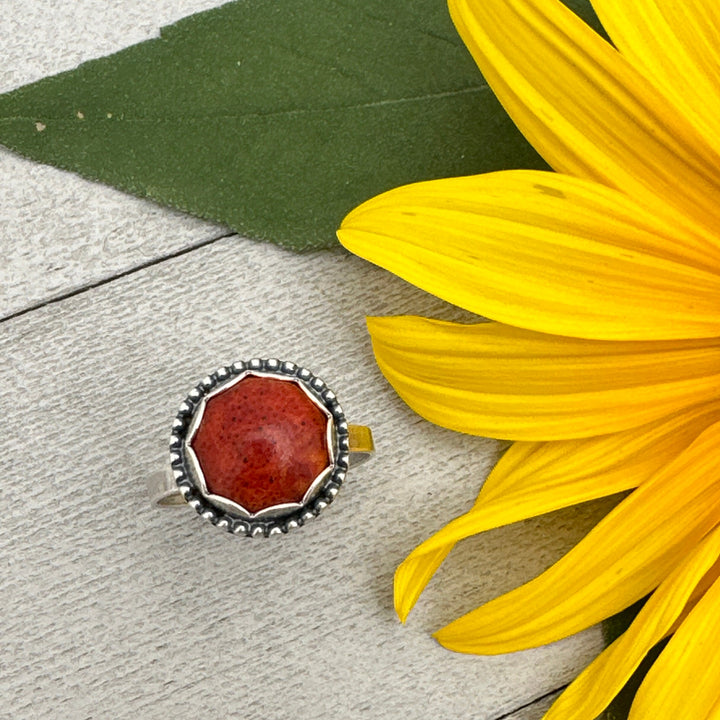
(164, 492)
(258, 448)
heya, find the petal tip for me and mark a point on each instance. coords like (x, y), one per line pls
(441, 637)
(341, 234)
(404, 601)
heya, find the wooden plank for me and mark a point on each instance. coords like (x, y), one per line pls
(58, 232)
(114, 609)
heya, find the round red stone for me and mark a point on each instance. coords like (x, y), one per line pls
(261, 442)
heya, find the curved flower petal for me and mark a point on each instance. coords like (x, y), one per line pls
(621, 560)
(413, 575)
(497, 381)
(585, 108)
(533, 478)
(545, 252)
(593, 690)
(671, 42)
(684, 682)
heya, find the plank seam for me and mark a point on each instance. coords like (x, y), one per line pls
(510, 713)
(116, 276)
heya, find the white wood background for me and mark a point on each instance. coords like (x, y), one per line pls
(112, 308)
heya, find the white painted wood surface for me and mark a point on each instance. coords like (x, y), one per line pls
(112, 609)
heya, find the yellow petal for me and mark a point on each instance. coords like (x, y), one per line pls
(684, 682)
(533, 478)
(585, 108)
(620, 561)
(413, 574)
(497, 381)
(574, 471)
(675, 46)
(545, 252)
(593, 690)
(714, 713)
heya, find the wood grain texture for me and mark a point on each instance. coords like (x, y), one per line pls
(114, 609)
(59, 232)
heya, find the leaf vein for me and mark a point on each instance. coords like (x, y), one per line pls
(271, 113)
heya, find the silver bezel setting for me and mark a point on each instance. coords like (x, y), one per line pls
(227, 514)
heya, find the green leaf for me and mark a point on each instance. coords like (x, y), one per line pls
(274, 117)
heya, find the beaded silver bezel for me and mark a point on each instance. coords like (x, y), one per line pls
(226, 514)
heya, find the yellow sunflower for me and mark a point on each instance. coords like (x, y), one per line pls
(602, 357)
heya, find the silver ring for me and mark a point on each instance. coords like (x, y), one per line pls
(259, 448)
